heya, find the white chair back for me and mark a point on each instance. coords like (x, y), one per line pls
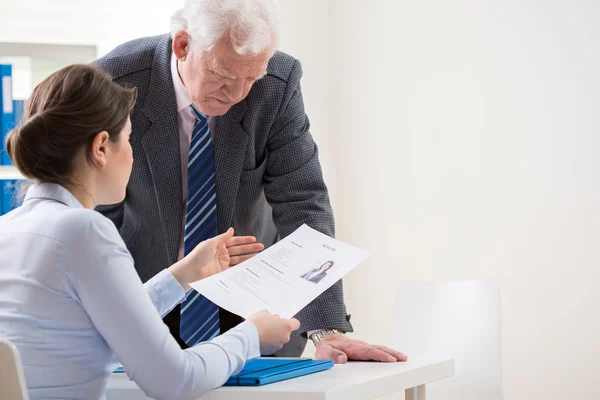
(454, 319)
(12, 380)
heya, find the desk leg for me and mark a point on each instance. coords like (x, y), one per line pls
(416, 393)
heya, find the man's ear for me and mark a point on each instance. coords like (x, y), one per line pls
(181, 45)
(99, 149)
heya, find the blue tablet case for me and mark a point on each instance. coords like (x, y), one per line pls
(262, 371)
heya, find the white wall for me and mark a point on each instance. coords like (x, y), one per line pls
(305, 34)
(458, 139)
(104, 23)
(468, 141)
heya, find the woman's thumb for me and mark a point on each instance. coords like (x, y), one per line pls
(225, 236)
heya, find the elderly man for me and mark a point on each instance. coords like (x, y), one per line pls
(220, 138)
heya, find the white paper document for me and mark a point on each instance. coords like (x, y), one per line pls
(285, 277)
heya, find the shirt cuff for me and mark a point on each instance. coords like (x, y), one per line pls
(249, 329)
(245, 334)
(165, 291)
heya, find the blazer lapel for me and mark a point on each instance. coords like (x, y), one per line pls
(161, 145)
(230, 149)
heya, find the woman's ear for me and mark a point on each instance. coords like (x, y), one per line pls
(99, 150)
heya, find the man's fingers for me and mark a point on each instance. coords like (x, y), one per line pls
(396, 354)
(245, 249)
(327, 352)
(373, 353)
(361, 352)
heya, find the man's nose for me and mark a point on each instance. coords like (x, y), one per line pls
(235, 90)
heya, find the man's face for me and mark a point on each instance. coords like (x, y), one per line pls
(218, 79)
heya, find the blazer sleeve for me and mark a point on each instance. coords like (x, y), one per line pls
(295, 189)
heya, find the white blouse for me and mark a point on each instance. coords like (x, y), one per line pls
(73, 304)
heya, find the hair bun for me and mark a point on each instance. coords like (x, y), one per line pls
(22, 143)
(61, 118)
(31, 126)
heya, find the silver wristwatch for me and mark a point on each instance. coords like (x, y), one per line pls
(319, 335)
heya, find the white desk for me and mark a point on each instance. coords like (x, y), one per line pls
(355, 380)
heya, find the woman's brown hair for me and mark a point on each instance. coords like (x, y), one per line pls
(63, 116)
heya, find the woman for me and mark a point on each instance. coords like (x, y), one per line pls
(70, 298)
(316, 274)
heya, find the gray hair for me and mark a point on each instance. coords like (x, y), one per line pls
(252, 25)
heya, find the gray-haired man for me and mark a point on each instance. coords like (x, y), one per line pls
(220, 139)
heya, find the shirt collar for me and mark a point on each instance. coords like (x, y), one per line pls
(181, 95)
(52, 191)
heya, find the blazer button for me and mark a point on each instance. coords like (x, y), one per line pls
(348, 317)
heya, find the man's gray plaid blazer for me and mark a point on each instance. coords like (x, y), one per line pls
(268, 176)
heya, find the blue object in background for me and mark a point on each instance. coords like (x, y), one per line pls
(5, 195)
(10, 111)
(18, 107)
(7, 119)
(8, 200)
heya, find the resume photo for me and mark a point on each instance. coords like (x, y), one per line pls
(316, 274)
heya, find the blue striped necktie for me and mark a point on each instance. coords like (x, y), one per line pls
(199, 316)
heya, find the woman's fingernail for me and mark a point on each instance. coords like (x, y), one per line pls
(391, 359)
(341, 359)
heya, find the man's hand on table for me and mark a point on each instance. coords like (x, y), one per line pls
(340, 349)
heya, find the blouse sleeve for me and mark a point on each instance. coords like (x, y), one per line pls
(101, 271)
(165, 292)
